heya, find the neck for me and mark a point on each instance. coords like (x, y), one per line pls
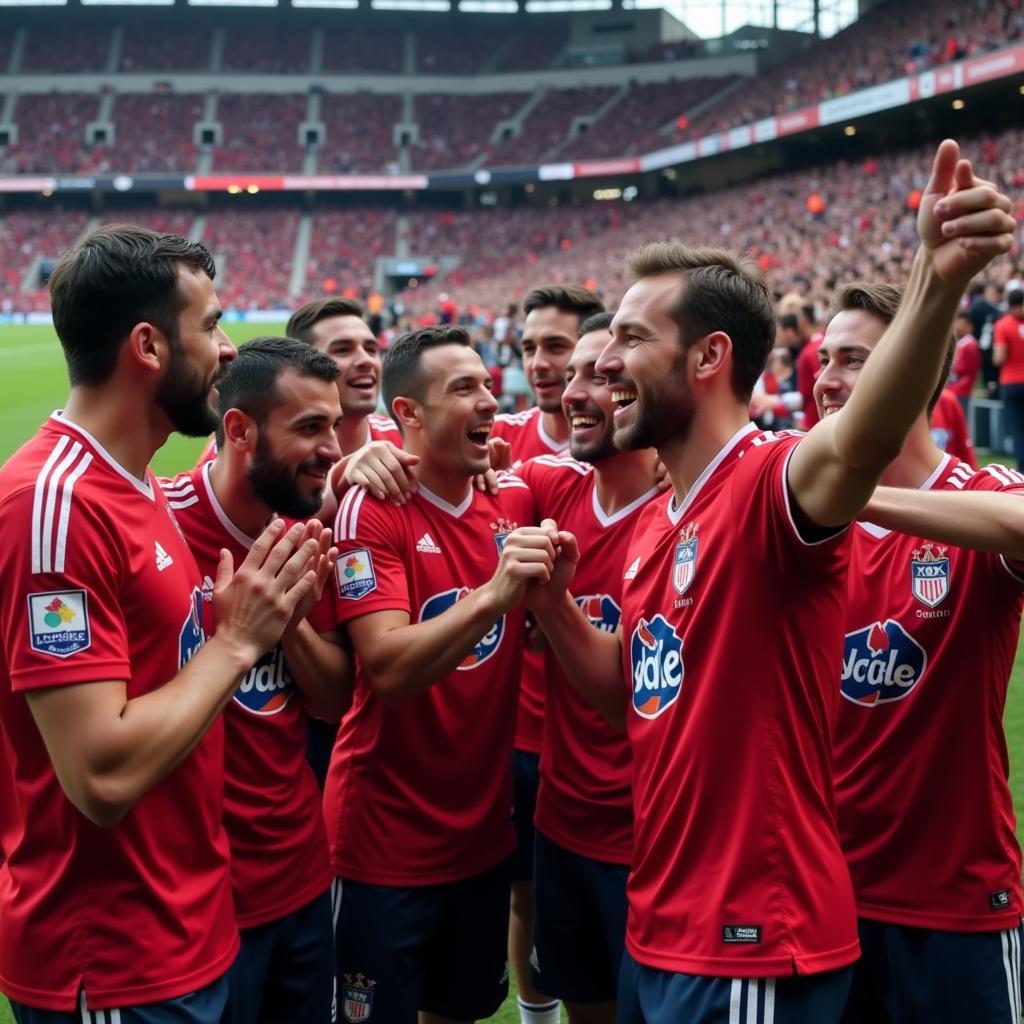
(917, 460)
(448, 483)
(556, 426)
(685, 459)
(353, 433)
(123, 420)
(234, 495)
(620, 479)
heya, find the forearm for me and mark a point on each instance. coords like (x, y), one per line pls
(155, 732)
(902, 373)
(591, 659)
(322, 670)
(977, 520)
(407, 660)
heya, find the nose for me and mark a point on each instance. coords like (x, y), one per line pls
(487, 403)
(609, 362)
(329, 448)
(227, 351)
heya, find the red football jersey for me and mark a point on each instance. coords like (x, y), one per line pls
(808, 367)
(966, 366)
(949, 428)
(420, 793)
(925, 814)
(100, 585)
(585, 801)
(732, 635)
(525, 434)
(272, 811)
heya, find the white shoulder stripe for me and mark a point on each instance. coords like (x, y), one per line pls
(561, 462)
(50, 519)
(512, 482)
(175, 490)
(348, 514)
(184, 502)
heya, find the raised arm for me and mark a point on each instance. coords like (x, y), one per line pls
(963, 223)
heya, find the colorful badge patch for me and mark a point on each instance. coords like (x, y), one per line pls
(929, 574)
(356, 577)
(684, 565)
(58, 622)
(357, 998)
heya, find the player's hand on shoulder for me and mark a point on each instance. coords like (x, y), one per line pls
(964, 221)
(387, 472)
(254, 604)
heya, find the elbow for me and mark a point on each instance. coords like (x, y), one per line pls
(103, 801)
(389, 686)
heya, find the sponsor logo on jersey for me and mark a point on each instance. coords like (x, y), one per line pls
(357, 998)
(684, 566)
(929, 574)
(501, 529)
(191, 637)
(268, 686)
(656, 657)
(485, 646)
(881, 663)
(634, 568)
(58, 622)
(356, 577)
(1000, 900)
(427, 546)
(163, 560)
(601, 611)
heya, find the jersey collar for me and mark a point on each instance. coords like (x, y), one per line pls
(222, 517)
(445, 506)
(142, 486)
(674, 513)
(607, 520)
(546, 438)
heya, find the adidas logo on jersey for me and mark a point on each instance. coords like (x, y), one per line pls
(163, 560)
(426, 546)
(630, 573)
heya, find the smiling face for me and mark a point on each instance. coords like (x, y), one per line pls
(549, 337)
(349, 341)
(849, 339)
(296, 446)
(587, 401)
(646, 367)
(456, 412)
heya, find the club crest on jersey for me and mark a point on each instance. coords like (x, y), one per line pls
(58, 622)
(267, 687)
(191, 637)
(882, 663)
(656, 657)
(600, 611)
(684, 566)
(929, 574)
(356, 577)
(357, 998)
(485, 646)
(501, 529)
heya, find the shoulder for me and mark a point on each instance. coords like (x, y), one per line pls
(382, 424)
(510, 422)
(549, 473)
(181, 491)
(360, 513)
(992, 477)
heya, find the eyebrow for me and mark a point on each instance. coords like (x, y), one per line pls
(342, 339)
(844, 350)
(466, 378)
(213, 317)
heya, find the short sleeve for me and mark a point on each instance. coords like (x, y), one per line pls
(62, 620)
(370, 575)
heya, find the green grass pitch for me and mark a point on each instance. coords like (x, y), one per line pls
(33, 383)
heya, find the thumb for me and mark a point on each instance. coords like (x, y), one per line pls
(550, 527)
(406, 458)
(225, 570)
(943, 168)
(570, 546)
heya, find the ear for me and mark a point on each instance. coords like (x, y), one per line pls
(240, 430)
(147, 347)
(711, 355)
(406, 412)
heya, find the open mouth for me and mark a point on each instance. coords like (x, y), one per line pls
(623, 398)
(479, 434)
(581, 421)
(367, 383)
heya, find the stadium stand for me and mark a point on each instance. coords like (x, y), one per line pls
(67, 48)
(259, 51)
(363, 48)
(154, 132)
(455, 128)
(51, 133)
(359, 132)
(344, 249)
(436, 55)
(169, 49)
(25, 238)
(533, 49)
(261, 131)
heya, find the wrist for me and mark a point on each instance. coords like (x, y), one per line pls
(240, 652)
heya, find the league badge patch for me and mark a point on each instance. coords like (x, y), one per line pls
(684, 566)
(356, 577)
(357, 998)
(58, 622)
(501, 529)
(929, 574)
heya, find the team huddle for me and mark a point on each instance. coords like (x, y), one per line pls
(690, 721)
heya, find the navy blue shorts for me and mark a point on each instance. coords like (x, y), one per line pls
(436, 948)
(320, 737)
(525, 783)
(915, 975)
(650, 996)
(206, 1006)
(285, 969)
(579, 924)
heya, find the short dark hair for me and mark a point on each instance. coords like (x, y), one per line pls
(569, 298)
(118, 276)
(306, 317)
(788, 321)
(1015, 298)
(597, 322)
(721, 291)
(882, 301)
(251, 380)
(964, 315)
(401, 376)
(809, 313)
